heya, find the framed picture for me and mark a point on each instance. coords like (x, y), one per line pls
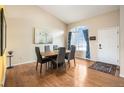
(3, 30)
(92, 37)
(43, 36)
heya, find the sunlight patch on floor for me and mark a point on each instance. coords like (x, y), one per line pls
(80, 75)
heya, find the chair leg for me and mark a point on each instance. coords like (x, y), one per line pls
(41, 68)
(51, 65)
(69, 63)
(57, 66)
(74, 62)
(65, 66)
(46, 66)
(36, 66)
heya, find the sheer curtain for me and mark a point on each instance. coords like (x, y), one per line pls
(77, 39)
(80, 38)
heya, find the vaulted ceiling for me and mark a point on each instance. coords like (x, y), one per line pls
(73, 13)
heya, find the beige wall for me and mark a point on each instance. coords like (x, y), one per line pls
(95, 23)
(121, 41)
(21, 21)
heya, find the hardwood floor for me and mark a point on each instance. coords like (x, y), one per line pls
(79, 76)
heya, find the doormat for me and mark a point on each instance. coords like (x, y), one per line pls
(105, 67)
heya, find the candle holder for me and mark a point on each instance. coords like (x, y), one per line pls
(10, 56)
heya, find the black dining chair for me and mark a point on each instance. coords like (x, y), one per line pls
(55, 47)
(60, 61)
(40, 59)
(47, 48)
(71, 55)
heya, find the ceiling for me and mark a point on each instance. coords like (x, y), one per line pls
(73, 13)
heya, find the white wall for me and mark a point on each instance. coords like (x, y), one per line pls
(21, 21)
(122, 41)
(96, 23)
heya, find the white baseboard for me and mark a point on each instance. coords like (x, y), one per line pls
(121, 75)
(86, 59)
(91, 60)
(24, 62)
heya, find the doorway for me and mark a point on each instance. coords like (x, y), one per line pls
(108, 45)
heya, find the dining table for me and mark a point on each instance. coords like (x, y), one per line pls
(52, 53)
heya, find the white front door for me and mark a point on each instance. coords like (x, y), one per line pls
(108, 45)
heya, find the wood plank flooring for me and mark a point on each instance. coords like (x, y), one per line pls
(80, 76)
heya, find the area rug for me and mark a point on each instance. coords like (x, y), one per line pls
(105, 67)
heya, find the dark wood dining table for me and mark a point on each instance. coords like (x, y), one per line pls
(52, 53)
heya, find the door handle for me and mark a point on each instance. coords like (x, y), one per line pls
(100, 46)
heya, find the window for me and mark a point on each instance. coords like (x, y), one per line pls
(78, 38)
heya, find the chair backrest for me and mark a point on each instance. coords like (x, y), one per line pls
(61, 55)
(38, 54)
(47, 48)
(55, 47)
(72, 53)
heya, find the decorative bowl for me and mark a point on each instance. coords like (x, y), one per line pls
(10, 52)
